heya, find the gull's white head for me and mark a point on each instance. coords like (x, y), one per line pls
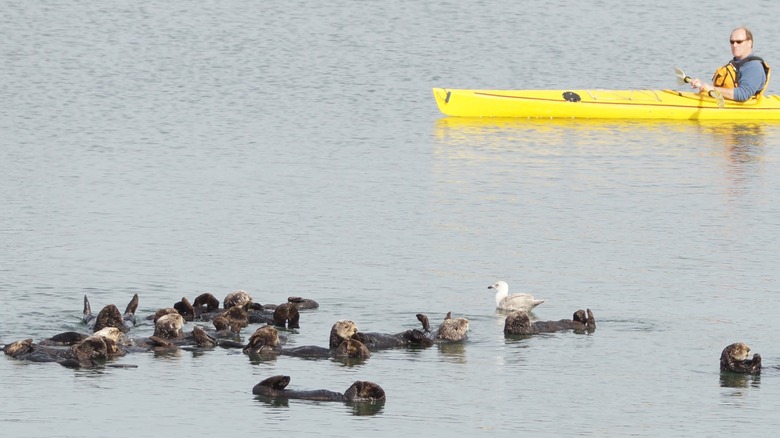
(502, 290)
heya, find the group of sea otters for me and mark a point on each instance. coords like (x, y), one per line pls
(109, 340)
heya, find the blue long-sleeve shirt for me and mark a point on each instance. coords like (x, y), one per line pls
(751, 79)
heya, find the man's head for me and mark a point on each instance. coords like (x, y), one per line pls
(741, 41)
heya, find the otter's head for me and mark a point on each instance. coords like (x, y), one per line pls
(362, 391)
(238, 298)
(517, 323)
(112, 333)
(287, 315)
(169, 326)
(264, 339)
(580, 316)
(162, 312)
(203, 339)
(341, 331)
(221, 323)
(91, 349)
(276, 382)
(738, 351)
(352, 349)
(18, 348)
(237, 318)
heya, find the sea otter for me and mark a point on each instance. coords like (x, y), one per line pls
(238, 298)
(201, 338)
(340, 331)
(91, 351)
(518, 323)
(64, 339)
(205, 303)
(240, 308)
(348, 349)
(286, 315)
(169, 326)
(452, 329)
(735, 358)
(301, 303)
(185, 309)
(360, 391)
(410, 338)
(265, 340)
(109, 316)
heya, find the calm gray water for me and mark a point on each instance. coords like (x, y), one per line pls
(294, 148)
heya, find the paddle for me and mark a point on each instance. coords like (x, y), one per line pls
(682, 78)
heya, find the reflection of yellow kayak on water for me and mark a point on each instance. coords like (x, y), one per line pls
(601, 104)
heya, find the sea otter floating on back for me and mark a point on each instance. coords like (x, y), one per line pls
(360, 391)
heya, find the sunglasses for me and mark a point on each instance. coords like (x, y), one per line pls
(737, 41)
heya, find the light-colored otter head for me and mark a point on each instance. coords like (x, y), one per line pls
(264, 339)
(162, 312)
(112, 333)
(268, 334)
(169, 326)
(341, 331)
(238, 298)
(738, 351)
(18, 348)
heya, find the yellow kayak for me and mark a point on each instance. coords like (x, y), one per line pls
(601, 104)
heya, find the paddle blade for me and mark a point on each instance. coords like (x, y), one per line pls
(715, 94)
(681, 77)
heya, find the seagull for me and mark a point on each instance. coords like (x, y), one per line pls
(504, 301)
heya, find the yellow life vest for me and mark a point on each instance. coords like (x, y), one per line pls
(728, 75)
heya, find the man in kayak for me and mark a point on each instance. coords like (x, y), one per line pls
(745, 76)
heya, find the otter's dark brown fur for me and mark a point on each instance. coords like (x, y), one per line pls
(286, 315)
(359, 391)
(89, 352)
(735, 358)
(518, 323)
(109, 316)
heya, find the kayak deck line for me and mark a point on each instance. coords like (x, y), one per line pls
(654, 94)
(598, 103)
